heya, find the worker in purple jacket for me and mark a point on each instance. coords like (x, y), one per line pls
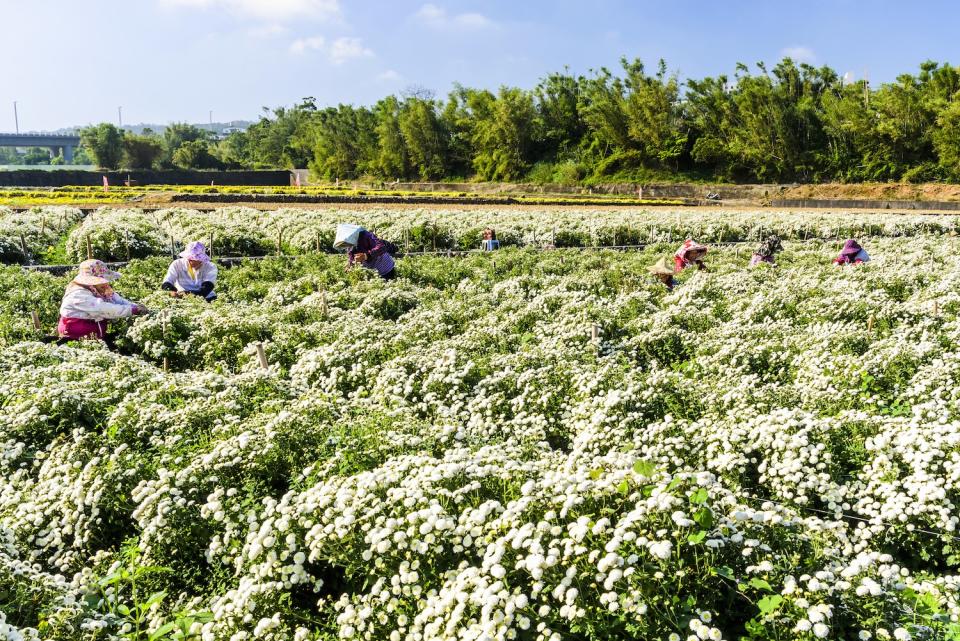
(365, 248)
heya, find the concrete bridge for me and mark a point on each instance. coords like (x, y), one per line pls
(53, 142)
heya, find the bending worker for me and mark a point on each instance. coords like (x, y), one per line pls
(192, 273)
(365, 248)
(690, 253)
(663, 271)
(852, 254)
(767, 252)
(89, 303)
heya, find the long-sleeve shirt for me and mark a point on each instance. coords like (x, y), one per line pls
(376, 250)
(80, 302)
(180, 277)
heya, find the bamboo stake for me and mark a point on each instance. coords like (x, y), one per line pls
(166, 364)
(870, 324)
(36, 319)
(173, 247)
(89, 248)
(323, 304)
(210, 248)
(318, 242)
(936, 308)
(279, 242)
(595, 333)
(262, 355)
(23, 245)
(43, 225)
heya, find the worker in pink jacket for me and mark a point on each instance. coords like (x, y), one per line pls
(89, 303)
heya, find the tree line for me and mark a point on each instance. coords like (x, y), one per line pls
(794, 122)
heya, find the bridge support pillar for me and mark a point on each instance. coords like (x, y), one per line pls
(68, 154)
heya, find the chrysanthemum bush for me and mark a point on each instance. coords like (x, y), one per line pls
(116, 234)
(27, 236)
(764, 454)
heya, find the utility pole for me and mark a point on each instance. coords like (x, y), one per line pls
(16, 117)
(120, 116)
(211, 120)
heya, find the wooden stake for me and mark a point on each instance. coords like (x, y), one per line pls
(318, 242)
(262, 355)
(173, 247)
(936, 308)
(595, 333)
(43, 225)
(279, 242)
(89, 249)
(23, 245)
(323, 304)
(210, 248)
(870, 324)
(166, 364)
(36, 319)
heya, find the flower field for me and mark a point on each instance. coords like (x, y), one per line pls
(119, 234)
(532, 445)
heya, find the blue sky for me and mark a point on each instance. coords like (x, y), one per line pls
(72, 62)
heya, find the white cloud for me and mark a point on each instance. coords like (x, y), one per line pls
(338, 52)
(438, 18)
(275, 10)
(303, 45)
(389, 76)
(346, 49)
(800, 54)
(267, 31)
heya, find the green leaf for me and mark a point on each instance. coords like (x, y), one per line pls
(760, 584)
(595, 474)
(704, 517)
(624, 487)
(700, 496)
(697, 537)
(123, 610)
(769, 603)
(725, 572)
(644, 468)
(162, 631)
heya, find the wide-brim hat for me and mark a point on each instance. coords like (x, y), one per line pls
(663, 267)
(690, 246)
(347, 235)
(94, 272)
(195, 251)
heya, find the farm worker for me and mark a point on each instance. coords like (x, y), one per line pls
(89, 303)
(365, 248)
(851, 254)
(690, 253)
(192, 273)
(489, 242)
(663, 270)
(767, 251)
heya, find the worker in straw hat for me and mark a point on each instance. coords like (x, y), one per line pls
(663, 270)
(193, 273)
(365, 248)
(89, 303)
(690, 253)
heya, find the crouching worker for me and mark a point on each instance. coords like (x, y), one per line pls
(192, 273)
(663, 271)
(852, 254)
(365, 248)
(89, 304)
(767, 252)
(690, 253)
